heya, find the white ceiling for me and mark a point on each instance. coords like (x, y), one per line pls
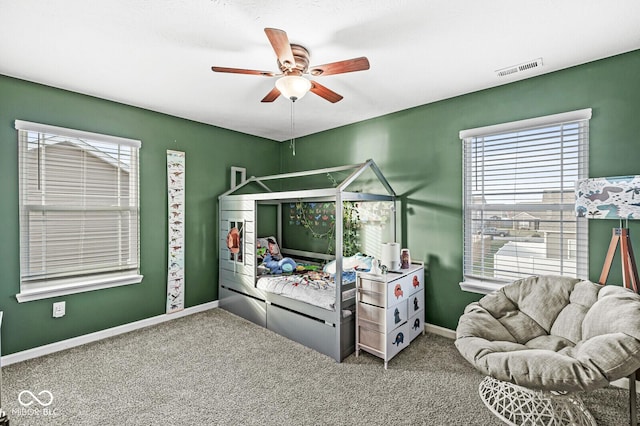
(157, 54)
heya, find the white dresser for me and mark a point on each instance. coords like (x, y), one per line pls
(389, 311)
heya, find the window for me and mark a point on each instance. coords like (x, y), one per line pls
(78, 211)
(519, 194)
(235, 241)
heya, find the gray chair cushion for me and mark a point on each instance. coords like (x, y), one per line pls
(553, 333)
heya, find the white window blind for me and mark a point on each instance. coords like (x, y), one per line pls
(79, 224)
(519, 195)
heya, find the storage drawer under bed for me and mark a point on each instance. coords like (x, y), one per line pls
(311, 332)
(243, 305)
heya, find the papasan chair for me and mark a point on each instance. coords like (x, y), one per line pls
(542, 338)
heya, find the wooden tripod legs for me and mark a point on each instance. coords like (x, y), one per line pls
(629, 268)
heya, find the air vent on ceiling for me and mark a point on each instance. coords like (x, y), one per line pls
(526, 66)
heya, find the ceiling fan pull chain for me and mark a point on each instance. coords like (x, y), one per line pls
(292, 144)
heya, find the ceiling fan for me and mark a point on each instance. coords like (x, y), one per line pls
(293, 61)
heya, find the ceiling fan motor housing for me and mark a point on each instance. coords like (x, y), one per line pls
(301, 57)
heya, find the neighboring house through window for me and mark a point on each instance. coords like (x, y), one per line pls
(519, 195)
(79, 224)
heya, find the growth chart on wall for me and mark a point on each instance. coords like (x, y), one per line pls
(176, 189)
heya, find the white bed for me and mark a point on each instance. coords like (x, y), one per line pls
(306, 309)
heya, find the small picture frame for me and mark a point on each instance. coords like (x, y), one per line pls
(238, 175)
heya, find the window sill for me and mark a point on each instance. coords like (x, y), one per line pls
(481, 287)
(77, 287)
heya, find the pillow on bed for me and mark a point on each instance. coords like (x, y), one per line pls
(268, 245)
(351, 263)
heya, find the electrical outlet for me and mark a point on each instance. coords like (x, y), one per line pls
(58, 309)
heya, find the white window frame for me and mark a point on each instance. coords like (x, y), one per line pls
(486, 285)
(41, 286)
(240, 257)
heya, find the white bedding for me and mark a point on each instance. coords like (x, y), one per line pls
(314, 288)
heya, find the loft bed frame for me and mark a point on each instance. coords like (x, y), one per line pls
(329, 332)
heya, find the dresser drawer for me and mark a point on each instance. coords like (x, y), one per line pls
(416, 303)
(396, 287)
(397, 340)
(375, 317)
(392, 342)
(372, 291)
(404, 287)
(417, 281)
(416, 325)
(398, 290)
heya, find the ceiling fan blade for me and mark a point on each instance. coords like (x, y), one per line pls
(280, 43)
(323, 92)
(341, 67)
(272, 95)
(243, 71)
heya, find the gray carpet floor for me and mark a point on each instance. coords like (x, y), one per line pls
(214, 368)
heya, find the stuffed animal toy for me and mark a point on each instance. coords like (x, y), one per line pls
(286, 264)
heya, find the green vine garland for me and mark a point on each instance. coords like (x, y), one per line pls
(350, 221)
(350, 235)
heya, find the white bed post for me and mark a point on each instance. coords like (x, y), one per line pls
(338, 304)
(278, 222)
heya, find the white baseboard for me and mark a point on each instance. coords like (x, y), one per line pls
(103, 334)
(440, 331)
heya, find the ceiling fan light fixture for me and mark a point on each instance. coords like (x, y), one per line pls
(293, 87)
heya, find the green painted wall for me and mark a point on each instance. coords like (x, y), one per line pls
(210, 152)
(417, 149)
(420, 153)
